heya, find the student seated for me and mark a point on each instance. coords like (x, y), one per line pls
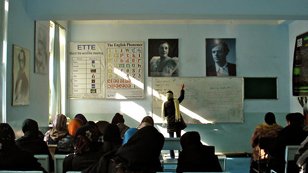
(58, 130)
(196, 157)
(11, 156)
(33, 142)
(86, 150)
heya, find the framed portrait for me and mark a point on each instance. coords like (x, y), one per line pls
(163, 57)
(220, 57)
(21, 84)
(41, 59)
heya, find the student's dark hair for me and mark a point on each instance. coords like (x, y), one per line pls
(270, 118)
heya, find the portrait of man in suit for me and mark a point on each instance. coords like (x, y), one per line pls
(220, 57)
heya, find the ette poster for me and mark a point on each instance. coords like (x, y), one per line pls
(108, 70)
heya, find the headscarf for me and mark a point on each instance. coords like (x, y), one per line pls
(59, 127)
(73, 126)
(142, 151)
(128, 134)
(112, 138)
(7, 136)
(112, 134)
(84, 138)
(102, 126)
(83, 120)
(118, 118)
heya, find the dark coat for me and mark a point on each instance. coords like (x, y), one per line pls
(196, 157)
(211, 69)
(142, 152)
(13, 158)
(169, 109)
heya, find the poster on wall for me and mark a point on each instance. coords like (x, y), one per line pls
(107, 70)
(21, 88)
(163, 57)
(125, 70)
(41, 59)
(300, 66)
(220, 57)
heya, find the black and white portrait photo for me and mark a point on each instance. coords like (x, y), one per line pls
(21, 58)
(220, 57)
(163, 57)
(41, 47)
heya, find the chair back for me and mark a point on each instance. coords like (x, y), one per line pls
(43, 159)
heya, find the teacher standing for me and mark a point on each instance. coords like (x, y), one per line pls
(171, 111)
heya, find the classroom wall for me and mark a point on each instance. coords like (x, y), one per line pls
(261, 51)
(21, 32)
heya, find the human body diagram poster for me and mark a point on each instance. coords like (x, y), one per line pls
(107, 70)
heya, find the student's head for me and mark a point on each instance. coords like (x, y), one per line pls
(163, 49)
(220, 51)
(7, 136)
(117, 118)
(190, 139)
(269, 118)
(22, 59)
(146, 121)
(73, 126)
(60, 122)
(30, 126)
(295, 119)
(83, 120)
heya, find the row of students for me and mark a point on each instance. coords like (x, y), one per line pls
(100, 147)
(270, 139)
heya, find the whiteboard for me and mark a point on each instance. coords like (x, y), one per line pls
(207, 99)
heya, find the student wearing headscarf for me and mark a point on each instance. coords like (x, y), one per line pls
(112, 142)
(128, 134)
(101, 127)
(118, 120)
(86, 150)
(11, 156)
(142, 151)
(32, 140)
(196, 157)
(65, 145)
(83, 120)
(58, 130)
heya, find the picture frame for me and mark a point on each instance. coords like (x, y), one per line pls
(41, 60)
(220, 56)
(163, 57)
(21, 76)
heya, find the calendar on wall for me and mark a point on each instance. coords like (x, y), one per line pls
(107, 70)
